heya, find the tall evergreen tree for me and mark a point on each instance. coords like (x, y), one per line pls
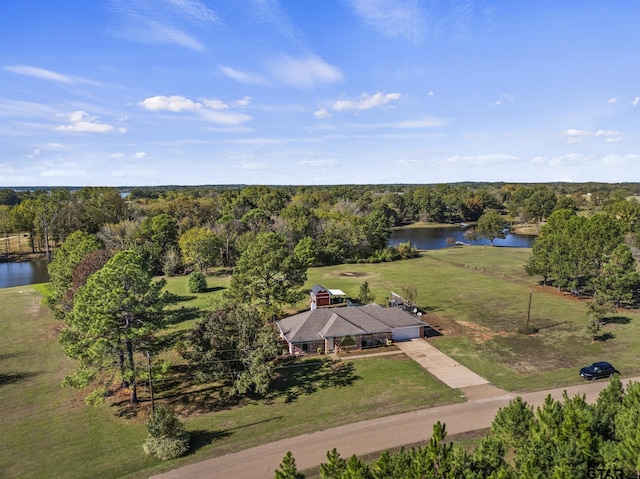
(115, 316)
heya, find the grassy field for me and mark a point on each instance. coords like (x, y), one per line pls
(48, 430)
(477, 297)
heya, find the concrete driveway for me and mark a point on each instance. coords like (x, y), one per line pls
(450, 372)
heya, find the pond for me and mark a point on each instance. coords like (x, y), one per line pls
(436, 238)
(23, 273)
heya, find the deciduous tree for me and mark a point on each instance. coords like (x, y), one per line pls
(200, 247)
(268, 274)
(491, 225)
(67, 257)
(233, 342)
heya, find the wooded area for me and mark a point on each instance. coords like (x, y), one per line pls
(106, 249)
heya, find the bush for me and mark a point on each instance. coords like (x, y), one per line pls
(166, 448)
(197, 282)
(167, 438)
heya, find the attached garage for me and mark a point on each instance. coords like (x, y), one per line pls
(404, 334)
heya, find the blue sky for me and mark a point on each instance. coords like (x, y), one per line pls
(156, 92)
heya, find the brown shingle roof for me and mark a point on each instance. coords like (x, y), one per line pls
(315, 325)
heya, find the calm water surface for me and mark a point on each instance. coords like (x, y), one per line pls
(23, 273)
(436, 238)
(32, 272)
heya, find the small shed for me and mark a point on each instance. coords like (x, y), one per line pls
(320, 296)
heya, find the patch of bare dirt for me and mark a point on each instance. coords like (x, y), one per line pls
(442, 325)
(480, 334)
(353, 274)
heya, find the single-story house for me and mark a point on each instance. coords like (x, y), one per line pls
(321, 296)
(330, 330)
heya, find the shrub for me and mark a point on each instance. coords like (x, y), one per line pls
(406, 251)
(197, 282)
(166, 448)
(167, 438)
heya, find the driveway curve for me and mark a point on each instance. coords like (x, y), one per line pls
(373, 435)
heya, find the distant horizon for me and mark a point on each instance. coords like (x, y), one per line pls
(129, 187)
(192, 92)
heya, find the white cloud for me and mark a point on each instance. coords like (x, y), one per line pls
(196, 11)
(636, 101)
(244, 101)
(305, 73)
(209, 110)
(253, 165)
(629, 160)
(484, 160)
(156, 22)
(39, 73)
(80, 121)
(56, 147)
(396, 18)
(427, 123)
(504, 97)
(607, 133)
(322, 113)
(611, 101)
(242, 77)
(225, 118)
(34, 154)
(139, 154)
(117, 156)
(170, 103)
(573, 136)
(570, 159)
(410, 162)
(406, 124)
(320, 163)
(365, 102)
(216, 104)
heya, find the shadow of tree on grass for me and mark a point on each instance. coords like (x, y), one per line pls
(297, 379)
(13, 378)
(201, 438)
(616, 320)
(176, 316)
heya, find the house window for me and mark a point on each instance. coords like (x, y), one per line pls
(348, 342)
(305, 347)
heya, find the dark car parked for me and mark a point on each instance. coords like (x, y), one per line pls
(598, 370)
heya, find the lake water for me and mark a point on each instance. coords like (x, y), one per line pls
(436, 238)
(23, 273)
(32, 272)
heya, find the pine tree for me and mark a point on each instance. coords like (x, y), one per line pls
(288, 469)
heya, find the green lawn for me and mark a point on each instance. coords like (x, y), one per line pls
(478, 294)
(49, 431)
(483, 292)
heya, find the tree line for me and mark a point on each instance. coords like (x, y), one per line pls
(178, 229)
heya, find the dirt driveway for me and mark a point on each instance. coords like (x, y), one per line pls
(370, 436)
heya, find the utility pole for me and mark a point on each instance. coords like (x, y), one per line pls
(529, 311)
(150, 383)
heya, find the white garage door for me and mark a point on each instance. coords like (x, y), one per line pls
(405, 333)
